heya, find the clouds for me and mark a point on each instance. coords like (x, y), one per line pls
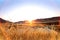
(28, 13)
(9, 4)
(6, 6)
(46, 2)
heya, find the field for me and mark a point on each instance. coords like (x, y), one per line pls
(17, 32)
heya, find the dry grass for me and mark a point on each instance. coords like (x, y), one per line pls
(30, 33)
(33, 34)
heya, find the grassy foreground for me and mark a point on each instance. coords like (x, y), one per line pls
(30, 33)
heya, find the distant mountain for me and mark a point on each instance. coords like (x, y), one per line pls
(52, 20)
(49, 19)
(3, 21)
(36, 20)
(20, 22)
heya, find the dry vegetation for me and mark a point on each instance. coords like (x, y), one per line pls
(17, 32)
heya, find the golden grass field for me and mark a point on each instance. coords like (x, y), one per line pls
(28, 33)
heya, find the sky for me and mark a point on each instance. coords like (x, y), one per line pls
(17, 10)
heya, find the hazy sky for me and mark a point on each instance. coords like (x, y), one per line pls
(15, 10)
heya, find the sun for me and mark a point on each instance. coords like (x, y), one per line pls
(27, 13)
(30, 21)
